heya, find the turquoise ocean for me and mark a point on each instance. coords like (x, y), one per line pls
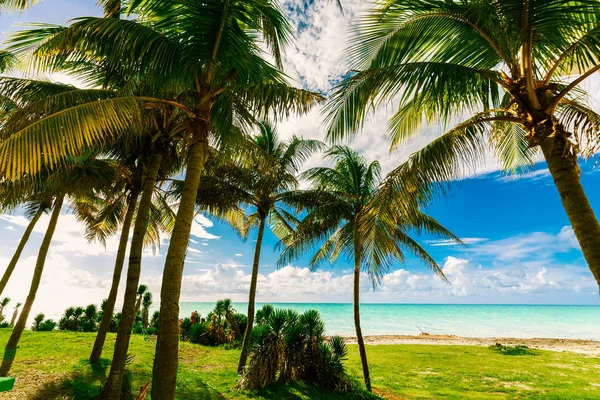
(520, 321)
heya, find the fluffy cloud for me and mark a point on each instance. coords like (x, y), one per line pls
(534, 245)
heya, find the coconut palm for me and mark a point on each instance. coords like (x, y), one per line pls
(15, 314)
(15, 258)
(16, 95)
(78, 180)
(3, 303)
(520, 63)
(142, 289)
(341, 216)
(272, 168)
(146, 303)
(214, 51)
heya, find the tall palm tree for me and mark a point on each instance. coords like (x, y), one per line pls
(520, 63)
(272, 167)
(146, 303)
(79, 179)
(26, 235)
(17, 95)
(142, 289)
(214, 52)
(341, 216)
(15, 314)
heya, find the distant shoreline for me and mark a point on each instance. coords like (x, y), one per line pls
(580, 346)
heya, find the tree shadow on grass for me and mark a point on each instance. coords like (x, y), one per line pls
(82, 385)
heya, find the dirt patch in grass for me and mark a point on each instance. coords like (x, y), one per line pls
(387, 395)
(38, 385)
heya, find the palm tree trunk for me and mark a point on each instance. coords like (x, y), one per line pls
(359, 336)
(138, 304)
(112, 389)
(145, 318)
(14, 316)
(10, 350)
(13, 262)
(252, 296)
(566, 174)
(107, 314)
(164, 373)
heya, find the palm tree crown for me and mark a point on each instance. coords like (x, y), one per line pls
(513, 67)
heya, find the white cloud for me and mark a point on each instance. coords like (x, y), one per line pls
(536, 245)
(199, 228)
(449, 242)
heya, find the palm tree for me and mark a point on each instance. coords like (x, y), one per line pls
(16, 95)
(91, 314)
(15, 314)
(273, 166)
(39, 210)
(341, 215)
(521, 63)
(229, 312)
(79, 179)
(142, 289)
(3, 303)
(220, 78)
(146, 303)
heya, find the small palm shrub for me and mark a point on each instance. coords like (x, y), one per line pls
(218, 328)
(41, 325)
(37, 320)
(242, 321)
(287, 347)
(79, 319)
(47, 326)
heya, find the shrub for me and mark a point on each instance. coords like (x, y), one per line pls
(184, 328)
(199, 334)
(287, 347)
(37, 320)
(242, 322)
(513, 351)
(5, 325)
(47, 326)
(154, 320)
(215, 330)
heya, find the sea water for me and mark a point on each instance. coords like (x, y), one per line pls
(519, 321)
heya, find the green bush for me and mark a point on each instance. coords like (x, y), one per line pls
(287, 347)
(242, 322)
(199, 334)
(37, 321)
(513, 351)
(47, 326)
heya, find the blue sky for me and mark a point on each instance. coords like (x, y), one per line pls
(521, 248)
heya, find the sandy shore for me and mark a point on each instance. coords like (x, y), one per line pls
(589, 347)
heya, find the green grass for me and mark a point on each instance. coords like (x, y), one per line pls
(54, 366)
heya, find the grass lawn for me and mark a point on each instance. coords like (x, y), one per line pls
(53, 365)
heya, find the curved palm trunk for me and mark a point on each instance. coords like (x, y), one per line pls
(566, 175)
(166, 359)
(112, 389)
(145, 320)
(10, 350)
(359, 336)
(252, 296)
(13, 262)
(14, 316)
(107, 314)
